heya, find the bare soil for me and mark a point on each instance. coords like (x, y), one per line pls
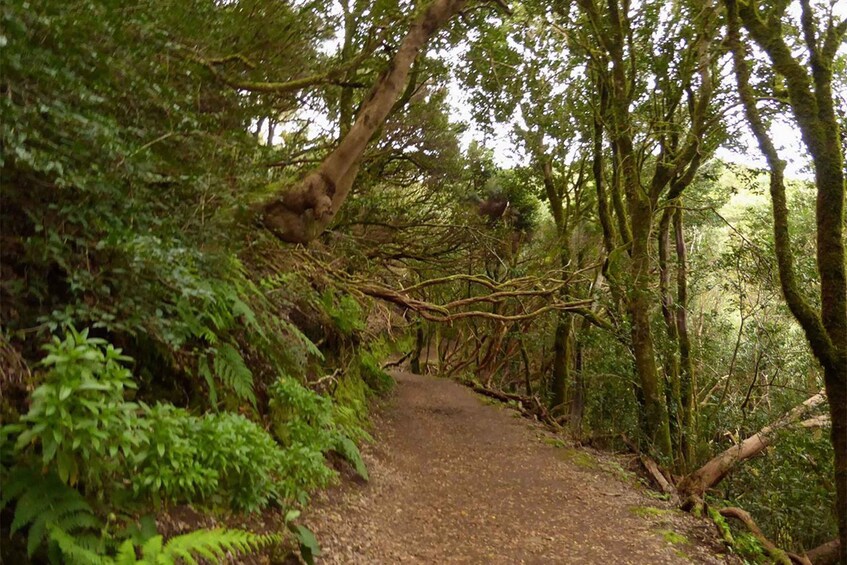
(457, 479)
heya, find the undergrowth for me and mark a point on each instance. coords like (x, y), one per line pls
(116, 453)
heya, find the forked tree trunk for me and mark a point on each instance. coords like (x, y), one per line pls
(301, 213)
(710, 474)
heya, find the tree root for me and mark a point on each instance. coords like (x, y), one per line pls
(398, 362)
(772, 550)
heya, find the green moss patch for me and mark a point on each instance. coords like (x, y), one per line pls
(672, 537)
(577, 457)
(648, 511)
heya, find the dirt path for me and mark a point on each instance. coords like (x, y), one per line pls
(454, 479)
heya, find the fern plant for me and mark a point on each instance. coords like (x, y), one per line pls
(231, 370)
(44, 502)
(58, 515)
(344, 311)
(212, 545)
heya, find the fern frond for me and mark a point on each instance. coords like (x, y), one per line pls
(45, 502)
(73, 551)
(14, 484)
(345, 447)
(233, 372)
(206, 373)
(215, 544)
(242, 309)
(126, 554)
(152, 549)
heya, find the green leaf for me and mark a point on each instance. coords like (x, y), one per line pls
(347, 448)
(309, 546)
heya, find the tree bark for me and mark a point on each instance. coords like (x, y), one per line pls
(652, 388)
(687, 384)
(578, 397)
(561, 362)
(672, 357)
(415, 364)
(301, 213)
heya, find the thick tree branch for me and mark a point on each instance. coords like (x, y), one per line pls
(300, 213)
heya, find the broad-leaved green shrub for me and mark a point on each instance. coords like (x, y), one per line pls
(248, 461)
(170, 464)
(81, 422)
(78, 417)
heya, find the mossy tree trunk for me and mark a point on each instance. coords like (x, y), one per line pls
(681, 139)
(811, 101)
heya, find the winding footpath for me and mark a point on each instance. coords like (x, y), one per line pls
(455, 479)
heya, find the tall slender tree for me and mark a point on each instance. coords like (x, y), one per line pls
(808, 79)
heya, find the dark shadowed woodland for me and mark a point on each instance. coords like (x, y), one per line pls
(475, 281)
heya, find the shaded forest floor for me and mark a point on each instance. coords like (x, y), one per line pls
(457, 479)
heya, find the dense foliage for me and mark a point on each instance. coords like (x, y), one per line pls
(159, 348)
(147, 336)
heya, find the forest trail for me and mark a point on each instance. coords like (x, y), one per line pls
(455, 479)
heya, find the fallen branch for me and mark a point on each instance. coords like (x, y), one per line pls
(825, 554)
(656, 474)
(710, 474)
(778, 555)
(822, 421)
(399, 362)
(531, 407)
(652, 468)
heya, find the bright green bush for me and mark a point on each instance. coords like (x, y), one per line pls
(304, 422)
(170, 465)
(253, 469)
(79, 417)
(81, 422)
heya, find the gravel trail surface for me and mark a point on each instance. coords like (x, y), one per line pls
(455, 479)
